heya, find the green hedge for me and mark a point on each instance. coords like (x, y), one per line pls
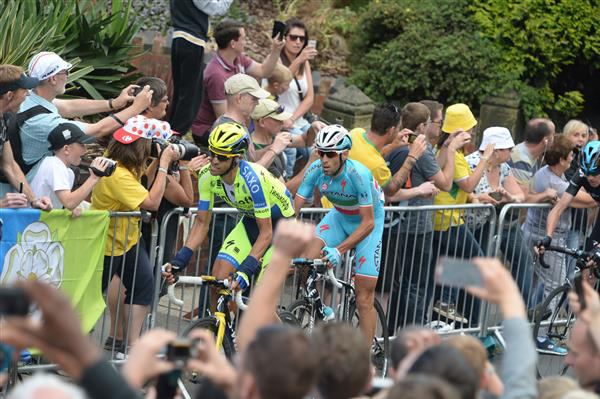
(462, 50)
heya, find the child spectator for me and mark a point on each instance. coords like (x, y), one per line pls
(55, 178)
(279, 82)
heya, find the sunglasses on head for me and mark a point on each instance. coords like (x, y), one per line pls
(392, 108)
(279, 110)
(328, 154)
(297, 37)
(221, 158)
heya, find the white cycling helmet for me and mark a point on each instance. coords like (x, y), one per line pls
(333, 138)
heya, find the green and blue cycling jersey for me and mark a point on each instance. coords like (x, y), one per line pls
(257, 194)
(350, 190)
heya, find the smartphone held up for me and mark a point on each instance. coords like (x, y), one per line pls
(278, 29)
(459, 273)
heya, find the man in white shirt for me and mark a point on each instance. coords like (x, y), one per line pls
(55, 179)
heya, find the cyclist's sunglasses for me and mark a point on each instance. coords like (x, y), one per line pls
(328, 154)
(221, 158)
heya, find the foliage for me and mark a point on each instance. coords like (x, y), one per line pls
(548, 51)
(88, 33)
(408, 50)
(554, 47)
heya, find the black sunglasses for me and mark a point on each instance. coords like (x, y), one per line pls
(328, 154)
(221, 158)
(279, 110)
(297, 37)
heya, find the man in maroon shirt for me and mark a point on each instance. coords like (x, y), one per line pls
(226, 62)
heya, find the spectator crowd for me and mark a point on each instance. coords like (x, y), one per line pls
(423, 156)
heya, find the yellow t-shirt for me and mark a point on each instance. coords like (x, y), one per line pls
(443, 219)
(120, 192)
(365, 152)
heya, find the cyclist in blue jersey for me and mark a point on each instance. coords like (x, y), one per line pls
(356, 220)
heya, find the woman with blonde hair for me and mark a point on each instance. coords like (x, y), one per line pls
(579, 134)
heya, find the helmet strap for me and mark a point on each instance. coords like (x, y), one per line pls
(234, 163)
(341, 165)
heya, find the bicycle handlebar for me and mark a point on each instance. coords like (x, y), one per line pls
(315, 263)
(576, 253)
(199, 281)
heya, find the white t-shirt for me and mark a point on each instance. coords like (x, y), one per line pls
(290, 99)
(53, 175)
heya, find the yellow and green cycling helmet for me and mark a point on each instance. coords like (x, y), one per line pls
(229, 139)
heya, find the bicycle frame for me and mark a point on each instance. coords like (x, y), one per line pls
(222, 316)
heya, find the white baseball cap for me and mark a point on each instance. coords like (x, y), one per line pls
(499, 136)
(47, 64)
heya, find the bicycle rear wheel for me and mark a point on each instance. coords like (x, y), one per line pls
(381, 342)
(557, 328)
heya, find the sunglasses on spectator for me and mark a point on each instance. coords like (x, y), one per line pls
(328, 154)
(221, 158)
(296, 38)
(279, 110)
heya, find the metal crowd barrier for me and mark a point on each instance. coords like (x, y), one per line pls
(406, 287)
(411, 249)
(395, 244)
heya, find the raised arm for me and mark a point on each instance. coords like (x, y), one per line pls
(109, 124)
(72, 199)
(417, 148)
(81, 107)
(469, 184)
(265, 69)
(290, 239)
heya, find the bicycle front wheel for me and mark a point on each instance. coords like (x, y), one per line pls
(304, 313)
(556, 328)
(381, 341)
(212, 324)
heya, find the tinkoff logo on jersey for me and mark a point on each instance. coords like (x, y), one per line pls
(253, 183)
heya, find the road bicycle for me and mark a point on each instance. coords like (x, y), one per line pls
(309, 309)
(221, 322)
(558, 324)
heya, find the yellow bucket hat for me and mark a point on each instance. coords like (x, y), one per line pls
(458, 117)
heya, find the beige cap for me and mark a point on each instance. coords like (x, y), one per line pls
(242, 83)
(269, 108)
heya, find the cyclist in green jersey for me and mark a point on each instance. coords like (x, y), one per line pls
(262, 199)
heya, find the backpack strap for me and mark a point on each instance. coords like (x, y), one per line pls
(13, 134)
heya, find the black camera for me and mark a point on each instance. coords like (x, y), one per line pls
(110, 169)
(185, 150)
(13, 302)
(180, 350)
